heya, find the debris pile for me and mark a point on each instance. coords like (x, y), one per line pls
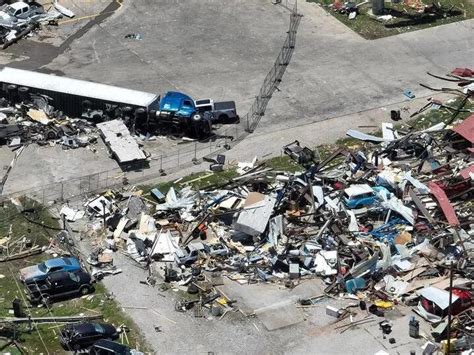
(35, 120)
(387, 225)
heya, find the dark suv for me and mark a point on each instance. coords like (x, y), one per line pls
(83, 335)
(60, 285)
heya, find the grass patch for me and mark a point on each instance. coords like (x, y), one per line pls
(44, 339)
(433, 117)
(199, 180)
(284, 163)
(405, 19)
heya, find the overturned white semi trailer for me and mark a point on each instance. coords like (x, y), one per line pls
(73, 96)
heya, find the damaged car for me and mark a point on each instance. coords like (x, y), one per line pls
(19, 12)
(74, 337)
(107, 347)
(60, 285)
(41, 271)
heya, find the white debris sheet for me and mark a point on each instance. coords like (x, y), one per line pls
(254, 217)
(122, 145)
(165, 246)
(70, 214)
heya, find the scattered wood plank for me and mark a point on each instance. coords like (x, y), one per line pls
(59, 319)
(24, 254)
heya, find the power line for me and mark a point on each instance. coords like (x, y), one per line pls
(24, 300)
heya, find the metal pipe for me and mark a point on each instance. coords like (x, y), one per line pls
(448, 348)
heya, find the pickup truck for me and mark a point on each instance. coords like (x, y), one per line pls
(18, 12)
(220, 112)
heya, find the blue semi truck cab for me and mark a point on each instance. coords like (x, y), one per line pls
(180, 111)
(177, 104)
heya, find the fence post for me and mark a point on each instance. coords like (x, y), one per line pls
(62, 191)
(178, 156)
(195, 161)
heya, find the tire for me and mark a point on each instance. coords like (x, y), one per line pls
(85, 290)
(51, 135)
(140, 114)
(206, 129)
(97, 118)
(223, 118)
(23, 92)
(45, 300)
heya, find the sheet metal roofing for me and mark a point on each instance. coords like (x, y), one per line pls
(356, 190)
(77, 87)
(117, 137)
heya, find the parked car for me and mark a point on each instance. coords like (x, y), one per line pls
(358, 196)
(108, 347)
(80, 336)
(41, 271)
(61, 284)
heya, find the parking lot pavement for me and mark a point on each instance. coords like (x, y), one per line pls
(204, 48)
(40, 166)
(39, 50)
(334, 72)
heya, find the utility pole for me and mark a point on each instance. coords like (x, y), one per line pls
(103, 212)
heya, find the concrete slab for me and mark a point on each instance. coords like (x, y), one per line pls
(281, 315)
(253, 297)
(46, 166)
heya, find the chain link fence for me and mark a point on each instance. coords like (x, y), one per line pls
(191, 153)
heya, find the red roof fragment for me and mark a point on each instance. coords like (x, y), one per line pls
(466, 171)
(444, 203)
(466, 129)
(464, 72)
